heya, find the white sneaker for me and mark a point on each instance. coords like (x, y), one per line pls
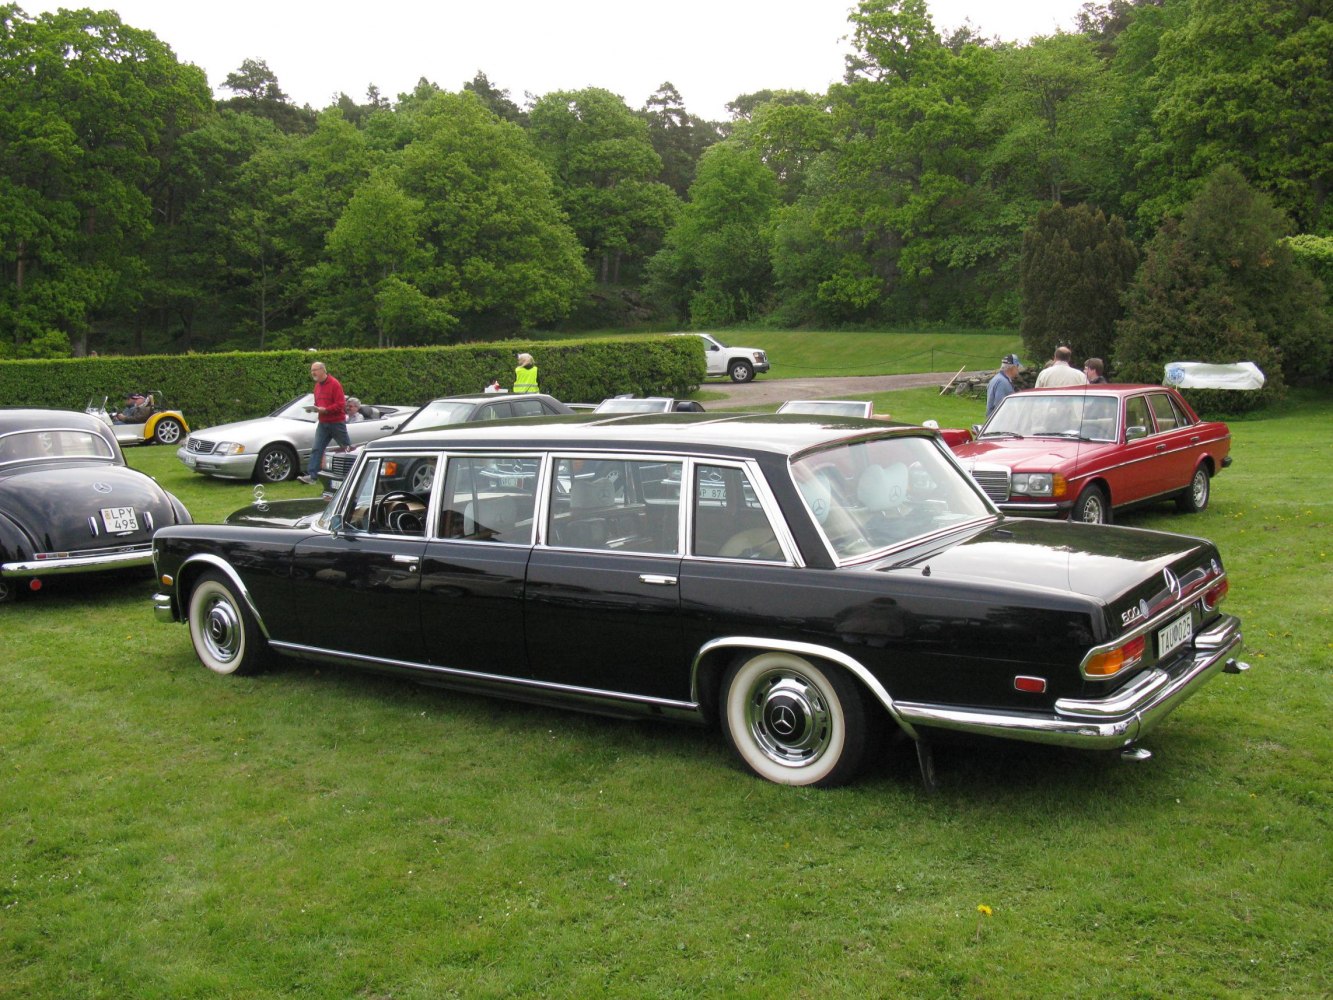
(308, 480)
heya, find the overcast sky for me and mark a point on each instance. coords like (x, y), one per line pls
(712, 50)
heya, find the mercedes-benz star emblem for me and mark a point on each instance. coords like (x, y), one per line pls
(102, 487)
(784, 720)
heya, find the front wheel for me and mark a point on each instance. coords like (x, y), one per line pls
(168, 430)
(1195, 496)
(1091, 507)
(793, 722)
(275, 464)
(740, 371)
(225, 634)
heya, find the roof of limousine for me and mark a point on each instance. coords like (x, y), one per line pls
(771, 433)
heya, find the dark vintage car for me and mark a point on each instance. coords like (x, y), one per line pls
(1083, 451)
(69, 503)
(805, 584)
(440, 412)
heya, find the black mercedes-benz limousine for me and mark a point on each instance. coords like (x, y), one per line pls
(804, 582)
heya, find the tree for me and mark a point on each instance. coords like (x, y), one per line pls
(1220, 285)
(88, 109)
(678, 136)
(603, 163)
(503, 255)
(1076, 265)
(1250, 84)
(788, 136)
(257, 93)
(715, 265)
(498, 101)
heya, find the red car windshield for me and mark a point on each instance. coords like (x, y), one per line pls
(1057, 414)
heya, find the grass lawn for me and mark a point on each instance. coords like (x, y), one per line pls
(310, 832)
(813, 353)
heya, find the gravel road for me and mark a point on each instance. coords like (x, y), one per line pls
(766, 390)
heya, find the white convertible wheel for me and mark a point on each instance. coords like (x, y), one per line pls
(225, 634)
(793, 722)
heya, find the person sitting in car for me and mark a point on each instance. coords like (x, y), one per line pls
(137, 409)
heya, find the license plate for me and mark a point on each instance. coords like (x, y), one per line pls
(188, 459)
(118, 519)
(1174, 635)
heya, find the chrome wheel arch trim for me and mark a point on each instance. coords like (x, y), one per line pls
(809, 650)
(216, 562)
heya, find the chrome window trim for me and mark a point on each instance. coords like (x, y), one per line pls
(554, 456)
(768, 504)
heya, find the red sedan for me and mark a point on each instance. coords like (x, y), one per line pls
(1082, 451)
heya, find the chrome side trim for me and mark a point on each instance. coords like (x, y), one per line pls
(480, 678)
(139, 556)
(1103, 723)
(853, 666)
(219, 563)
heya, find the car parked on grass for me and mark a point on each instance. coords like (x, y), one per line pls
(274, 448)
(417, 476)
(1083, 452)
(647, 404)
(803, 584)
(158, 422)
(740, 364)
(68, 501)
(864, 408)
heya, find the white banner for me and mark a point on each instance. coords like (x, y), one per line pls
(1197, 375)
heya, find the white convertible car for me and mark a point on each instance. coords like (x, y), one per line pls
(273, 448)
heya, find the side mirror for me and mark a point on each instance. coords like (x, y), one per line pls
(335, 524)
(1135, 432)
(976, 431)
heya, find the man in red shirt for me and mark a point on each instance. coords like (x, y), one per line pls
(331, 405)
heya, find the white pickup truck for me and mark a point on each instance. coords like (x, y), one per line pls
(740, 364)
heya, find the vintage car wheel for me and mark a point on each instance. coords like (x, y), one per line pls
(168, 431)
(793, 722)
(1091, 507)
(8, 592)
(275, 464)
(1194, 497)
(225, 634)
(741, 371)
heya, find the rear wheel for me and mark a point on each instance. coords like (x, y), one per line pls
(795, 722)
(276, 463)
(740, 371)
(225, 634)
(1194, 498)
(168, 430)
(1091, 507)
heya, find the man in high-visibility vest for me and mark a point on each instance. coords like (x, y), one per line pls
(525, 375)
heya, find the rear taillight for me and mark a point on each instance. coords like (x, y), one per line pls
(1110, 662)
(1213, 595)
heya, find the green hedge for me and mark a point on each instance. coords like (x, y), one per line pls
(217, 388)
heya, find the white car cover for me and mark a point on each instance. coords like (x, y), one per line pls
(1197, 375)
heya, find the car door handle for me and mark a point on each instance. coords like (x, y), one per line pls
(1160, 447)
(1195, 439)
(659, 580)
(406, 560)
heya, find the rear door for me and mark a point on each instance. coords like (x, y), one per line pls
(602, 605)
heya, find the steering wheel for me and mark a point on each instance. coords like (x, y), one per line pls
(384, 508)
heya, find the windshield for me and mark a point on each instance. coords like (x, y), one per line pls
(880, 494)
(633, 406)
(300, 408)
(827, 407)
(1056, 414)
(439, 412)
(37, 446)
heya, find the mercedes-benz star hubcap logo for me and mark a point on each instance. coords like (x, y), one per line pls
(784, 720)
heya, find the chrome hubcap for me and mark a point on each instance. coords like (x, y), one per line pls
(1200, 488)
(221, 631)
(788, 719)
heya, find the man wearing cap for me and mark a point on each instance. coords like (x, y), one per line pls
(1002, 384)
(136, 409)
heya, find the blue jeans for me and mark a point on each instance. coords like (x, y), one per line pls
(323, 434)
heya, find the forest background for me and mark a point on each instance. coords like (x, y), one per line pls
(1154, 184)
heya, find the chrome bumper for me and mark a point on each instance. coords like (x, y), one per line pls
(80, 564)
(1102, 723)
(164, 608)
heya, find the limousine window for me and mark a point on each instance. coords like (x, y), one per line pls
(729, 521)
(616, 504)
(381, 506)
(489, 499)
